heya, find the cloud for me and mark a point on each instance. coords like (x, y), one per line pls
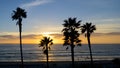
(108, 27)
(4, 37)
(35, 3)
(113, 33)
(106, 34)
(58, 38)
(106, 20)
(32, 36)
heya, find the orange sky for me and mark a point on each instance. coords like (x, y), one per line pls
(97, 38)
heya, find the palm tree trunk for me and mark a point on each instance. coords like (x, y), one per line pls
(47, 56)
(89, 45)
(20, 31)
(72, 55)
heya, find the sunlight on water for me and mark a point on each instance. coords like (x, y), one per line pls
(58, 53)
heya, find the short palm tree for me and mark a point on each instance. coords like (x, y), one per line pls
(45, 43)
(88, 29)
(71, 35)
(18, 15)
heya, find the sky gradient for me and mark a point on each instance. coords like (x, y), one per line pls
(45, 18)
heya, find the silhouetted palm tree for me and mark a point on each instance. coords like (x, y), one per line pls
(88, 29)
(18, 14)
(71, 35)
(45, 43)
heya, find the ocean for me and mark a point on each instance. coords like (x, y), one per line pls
(58, 52)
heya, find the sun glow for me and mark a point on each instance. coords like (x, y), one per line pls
(52, 35)
(47, 34)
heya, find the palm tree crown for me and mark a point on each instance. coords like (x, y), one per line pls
(88, 28)
(45, 43)
(19, 14)
(70, 31)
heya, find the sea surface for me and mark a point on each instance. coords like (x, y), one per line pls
(58, 52)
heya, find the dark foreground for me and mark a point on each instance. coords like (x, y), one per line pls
(60, 64)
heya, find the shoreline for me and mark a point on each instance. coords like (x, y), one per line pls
(60, 64)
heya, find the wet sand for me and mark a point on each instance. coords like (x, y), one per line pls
(60, 64)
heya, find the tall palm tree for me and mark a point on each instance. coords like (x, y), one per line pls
(18, 15)
(71, 35)
(45, 43)
(88, 29)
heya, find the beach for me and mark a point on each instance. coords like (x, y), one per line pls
(60, 64)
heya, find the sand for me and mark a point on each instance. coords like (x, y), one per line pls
(60, 64)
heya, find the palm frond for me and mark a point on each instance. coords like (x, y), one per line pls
(79, 44)
(83, 28)
(85, 35)
(67, 48)
(46, 42)
(66, 24)
(45, 52)
(44, 48)
(88, 28)
(49, 48)
(66, 42)
(70, 30)
(18, 14)
(51, 43)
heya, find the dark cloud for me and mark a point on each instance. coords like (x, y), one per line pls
(31, 36)
(57, 36)
(104, 34)
(98, 34)
(114, 33)
(8, 37)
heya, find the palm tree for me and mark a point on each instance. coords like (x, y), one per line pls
(88, 29)
(18, 14)
(71, 35)
(45, 43)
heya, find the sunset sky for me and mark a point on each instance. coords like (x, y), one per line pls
(45, 18)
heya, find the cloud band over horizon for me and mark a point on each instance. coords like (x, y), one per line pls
(96, 38)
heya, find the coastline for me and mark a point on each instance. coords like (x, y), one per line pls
(60, 64)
